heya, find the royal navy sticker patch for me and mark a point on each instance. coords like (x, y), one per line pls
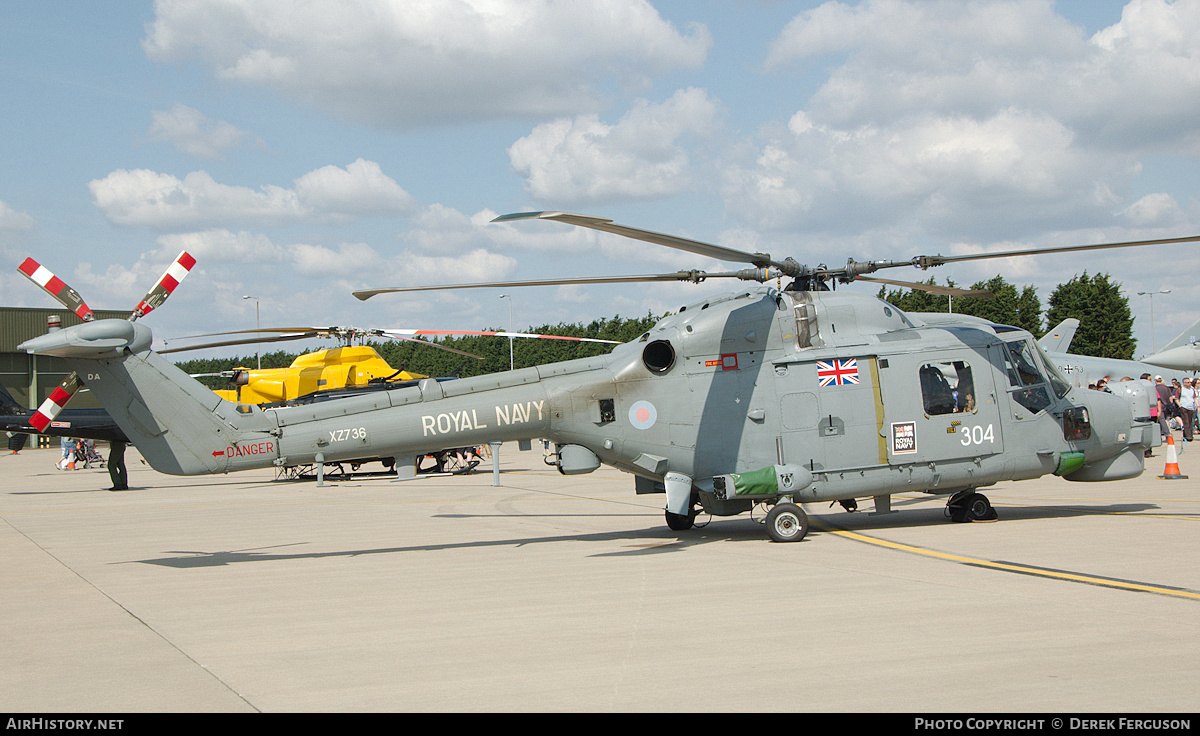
(904, 438)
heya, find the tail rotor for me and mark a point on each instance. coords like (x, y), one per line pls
(69, 298)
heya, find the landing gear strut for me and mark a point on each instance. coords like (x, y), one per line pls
(970, 506)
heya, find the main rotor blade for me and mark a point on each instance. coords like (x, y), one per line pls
(165, 285)
(250, 341)
(749, 274)
(853, 269)
(391, 333)
(57, 288)
(931, 288)
(720, 252)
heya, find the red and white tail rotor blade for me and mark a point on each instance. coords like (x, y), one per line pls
(165, 285)
(55, 287)
(466, 333)
(53, 405)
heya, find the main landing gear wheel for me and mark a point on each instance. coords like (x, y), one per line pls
(786, 522)
(971, 507)
(681, 522)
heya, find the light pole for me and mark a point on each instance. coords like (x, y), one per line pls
(511, 364)
(257, 350)
(1153, 347)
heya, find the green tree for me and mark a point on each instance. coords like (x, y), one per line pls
(1105, 320)
(1007, 307)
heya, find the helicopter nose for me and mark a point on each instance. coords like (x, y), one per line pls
(1118, 438)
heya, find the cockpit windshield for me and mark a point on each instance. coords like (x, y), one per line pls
(1023, 362)
(1058, 382)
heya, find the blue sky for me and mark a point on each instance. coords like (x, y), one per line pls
(303, 150)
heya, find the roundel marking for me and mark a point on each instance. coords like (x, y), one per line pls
(642, 415)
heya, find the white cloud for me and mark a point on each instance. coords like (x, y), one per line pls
(406, 62)
(191, 132)
(966, 120)
(359, 189)
(350, 259)
(948, 57)
(940, 171)
(642, 156)
(222, 246)
(142, 197)
(14, 221)
(1153, 209)
(476, 266)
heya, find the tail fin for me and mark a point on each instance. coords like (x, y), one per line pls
(9, 405)
(1058, 339)
(1187, 337)
(139, 388)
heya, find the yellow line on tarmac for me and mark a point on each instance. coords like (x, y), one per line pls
(1011, 567)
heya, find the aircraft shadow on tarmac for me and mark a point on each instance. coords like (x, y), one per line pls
(646, 541)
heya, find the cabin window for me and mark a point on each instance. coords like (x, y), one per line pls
(947, 387)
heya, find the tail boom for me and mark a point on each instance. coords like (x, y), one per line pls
(182, 428)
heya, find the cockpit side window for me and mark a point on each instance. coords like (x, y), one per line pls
(1022, 370)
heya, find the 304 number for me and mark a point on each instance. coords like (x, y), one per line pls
(978, 435)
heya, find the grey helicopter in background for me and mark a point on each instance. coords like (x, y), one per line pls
(759, 397)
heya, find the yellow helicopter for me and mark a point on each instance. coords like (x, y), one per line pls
(346, 370)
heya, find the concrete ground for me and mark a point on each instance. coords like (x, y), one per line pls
(551, 593)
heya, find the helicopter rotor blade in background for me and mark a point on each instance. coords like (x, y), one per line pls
(249, 341)
(393, 333)
(427, 343)
(302, 333)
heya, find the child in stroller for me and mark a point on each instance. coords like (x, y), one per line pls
(85, 454)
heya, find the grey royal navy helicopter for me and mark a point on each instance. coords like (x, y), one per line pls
(755, 397)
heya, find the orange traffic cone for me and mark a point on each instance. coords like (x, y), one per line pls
(1172, 470)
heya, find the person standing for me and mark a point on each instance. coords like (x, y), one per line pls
(1164, 406)
(116, 466)
(1187, 407)
(68, 454)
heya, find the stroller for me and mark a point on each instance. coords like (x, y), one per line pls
(83, 455)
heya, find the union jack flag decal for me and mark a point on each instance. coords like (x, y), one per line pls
(837, 372)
